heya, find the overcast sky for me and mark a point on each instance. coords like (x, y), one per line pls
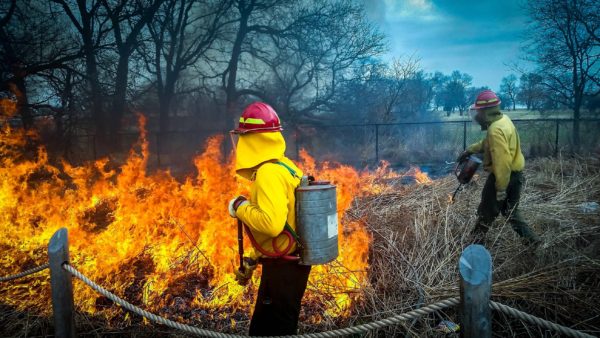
(478, 37)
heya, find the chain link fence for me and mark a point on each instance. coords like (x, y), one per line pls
(432, 144)
(437, 143)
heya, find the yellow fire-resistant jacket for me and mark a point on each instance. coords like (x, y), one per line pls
(501, 148)
(272, 198)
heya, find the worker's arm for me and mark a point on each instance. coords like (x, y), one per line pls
(268, 213)
(476, 148)
(501, 159)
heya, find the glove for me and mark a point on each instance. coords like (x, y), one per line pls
(463, 156)
(242, 277)
(501, 195)
(235, 203)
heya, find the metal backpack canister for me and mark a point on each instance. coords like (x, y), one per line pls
(317, 222)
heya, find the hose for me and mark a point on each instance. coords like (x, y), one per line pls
(278, 253)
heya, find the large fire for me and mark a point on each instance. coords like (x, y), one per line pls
(165, 245)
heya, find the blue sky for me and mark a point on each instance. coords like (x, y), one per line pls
(480, 38)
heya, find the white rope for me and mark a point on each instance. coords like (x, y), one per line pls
(207, 333)
(538, 321)
(25, 273)
(333, 333)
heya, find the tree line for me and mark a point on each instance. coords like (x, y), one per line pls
(89, 64)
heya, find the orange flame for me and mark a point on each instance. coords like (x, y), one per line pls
(420, 177)
(8, 108)
(165, 245)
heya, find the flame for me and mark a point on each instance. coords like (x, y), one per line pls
(8, 108)
(420, 177)
(165, 245)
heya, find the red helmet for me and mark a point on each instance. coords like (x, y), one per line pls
(258, 117)
(486, 99)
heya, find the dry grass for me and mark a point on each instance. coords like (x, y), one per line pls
(419, 236)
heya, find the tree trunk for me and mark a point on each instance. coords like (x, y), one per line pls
(165, 97)
(118, 105)
(19, 89)
(576, 120)
(230, 89)
(163, 118)
(163, 110)
(95, 92)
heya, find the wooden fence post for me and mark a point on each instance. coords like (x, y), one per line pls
(475, 266)
(62, 286)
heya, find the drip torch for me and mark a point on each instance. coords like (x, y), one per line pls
(464, 171)
(240, 225)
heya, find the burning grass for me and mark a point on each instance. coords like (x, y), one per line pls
(164, 245)
(169, 246)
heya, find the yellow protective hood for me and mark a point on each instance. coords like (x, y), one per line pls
(255, 148)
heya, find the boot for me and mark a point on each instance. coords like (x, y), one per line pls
(478, 233)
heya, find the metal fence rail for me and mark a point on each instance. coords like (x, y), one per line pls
(437, 141)
(363, 144)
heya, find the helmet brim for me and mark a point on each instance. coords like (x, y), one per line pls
(255, 130)
(494, 104)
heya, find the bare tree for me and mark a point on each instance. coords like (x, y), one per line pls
(128, 18)
(84, 17)
(247, 10)
(401, 71)
(393, 83)
(589, 16)
(182, 32)
(298, 53)
(565, 51)
(531, 91)
(33, 42)
(508, 88)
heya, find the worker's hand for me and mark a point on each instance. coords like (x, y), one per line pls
(463, 156)
(243, 274)
(501, 196)
(235, 203)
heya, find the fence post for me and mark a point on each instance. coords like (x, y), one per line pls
(475, 266)
(464, 135)
(556, 139)
(376, 144)
(61, 285)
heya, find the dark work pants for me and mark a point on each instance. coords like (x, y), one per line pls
(489, 208)
(277, 308)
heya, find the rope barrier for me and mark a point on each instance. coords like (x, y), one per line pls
(410, 315)
(202, 332)
(25, 273)
(538, 321)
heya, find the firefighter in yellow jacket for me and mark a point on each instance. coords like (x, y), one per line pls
(503, 159)
(269, 215)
